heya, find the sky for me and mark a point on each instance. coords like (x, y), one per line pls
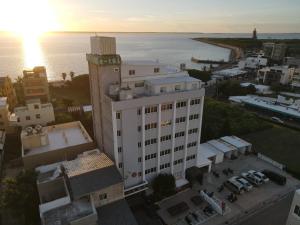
(210, 16)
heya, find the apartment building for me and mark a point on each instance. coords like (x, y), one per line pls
(86, 190)
(46, 145)
(275, 74)
(147, 116)
(34, 113)
(7, 90)
(35, 84)
(275, 51)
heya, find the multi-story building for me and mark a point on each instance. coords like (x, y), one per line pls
(147, 116)
(275, 74)
(7, 90)
(34, 113)
(35, 84)
(294, 215)
(275, 51)
(85, 191)
(7, 120)
(46, 145)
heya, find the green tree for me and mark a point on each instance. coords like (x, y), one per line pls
(18, 85)
(20, 198)
(163, 186)
(201, 75)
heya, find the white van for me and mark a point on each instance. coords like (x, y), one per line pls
(252, 179)
(234, 186)
(259, 175)
(244, 182)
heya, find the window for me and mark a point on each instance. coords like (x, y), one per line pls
(178, 161)
(193, 131)
(38, 116)
(27, 117)
(119, 149)
(190, 157)
(36, 107)
(164, 166)
(139, 84)
(150, 126)
(150, 141)
(120, 165)
(139, 111)
(103, 196)
(163, 89)
(150, 156)
(178, 148)
(131, 72)
(152, 170)
(192, 144)
(165, 138)
(139, 159)
(194, 117)
(118, 133)
(116, 69)
(139, 174)
(180, 120)
(179, 134)
(166, 106)
(151, 109)
(195, 101)
(297, 210)
(139, 144)
(139, 128)
(181, 104)
(165, 152)
(118, 115)
(166, 123)
(177, 87)
(156, 70)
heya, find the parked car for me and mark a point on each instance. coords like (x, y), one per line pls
(276, 119)
(275, 177)
(259, 175)
(244, 182)
(252, 179)
(234, 186)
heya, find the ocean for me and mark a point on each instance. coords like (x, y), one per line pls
(65, 52)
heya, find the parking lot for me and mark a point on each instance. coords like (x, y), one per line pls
(246, 204)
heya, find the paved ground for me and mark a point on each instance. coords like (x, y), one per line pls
(249, 203)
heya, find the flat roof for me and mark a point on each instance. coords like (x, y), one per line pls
(230, 72)
(168, 80)
(207, 150)
(221, 145)
(235, 141)
(61, 136)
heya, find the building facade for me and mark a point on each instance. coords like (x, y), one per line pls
(147, 116)
(35, 84)
(34, 113)
(275, 74)
(294, 215)
(275, 51)
(7, 120)
(7, 90)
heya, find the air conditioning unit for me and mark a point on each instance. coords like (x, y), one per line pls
(38, 128)
(29, 131)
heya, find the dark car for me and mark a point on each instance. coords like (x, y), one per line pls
(275, 177)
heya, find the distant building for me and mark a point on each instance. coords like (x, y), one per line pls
(275, 51)
(230, 74)
(260, 89)
(45, 145)
(34, 113)
(85, 191)
(275, 74)
(294, 215)
(147, 115)
(254, 34)
(8, 121)
(7, 90)
(35, 84)
(253, 62)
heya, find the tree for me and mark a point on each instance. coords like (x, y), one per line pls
(163, 186)
(201, 75)
(64, 76)
(19, 196)
(18, 85)
(72, 74)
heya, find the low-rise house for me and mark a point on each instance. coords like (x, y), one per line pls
(260, 88)
(45, 145)
(242, 145)
(230, 74)
(34, 113)
(87, 190)
(228, 149)
(210, 152)
(275, 75)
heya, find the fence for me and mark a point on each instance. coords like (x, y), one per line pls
(271, 161)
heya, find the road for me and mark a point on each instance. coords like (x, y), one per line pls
(273, 215)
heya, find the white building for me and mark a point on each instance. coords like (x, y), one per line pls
(252, 62)
(222, 146)
(260, 88)
(230, 74)
(211, 153)
(275, 74)
(147, 115)
(294, 215)
(34, 113)
(242, 145)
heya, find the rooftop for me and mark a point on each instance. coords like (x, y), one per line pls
(221, 145)
(235, 141)
(230, 72)
(59, 136)
(172, 80)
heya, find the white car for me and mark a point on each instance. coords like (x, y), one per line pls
(252, 179)
(244, 182)
(259, 175)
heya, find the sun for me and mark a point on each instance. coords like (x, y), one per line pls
(28, 17)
